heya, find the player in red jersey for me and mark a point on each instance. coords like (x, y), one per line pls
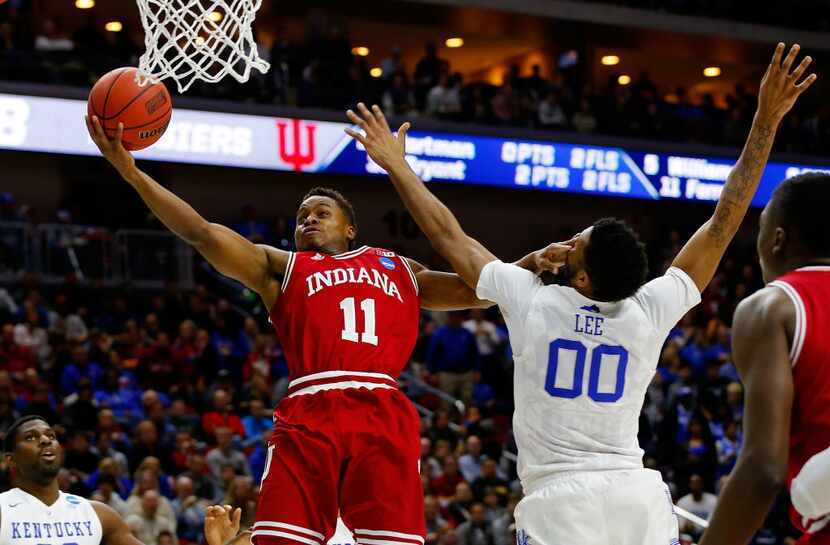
(780, 344)
(344, 437)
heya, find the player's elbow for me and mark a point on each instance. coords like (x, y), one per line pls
(770, 473)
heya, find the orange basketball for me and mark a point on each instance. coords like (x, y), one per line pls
(144, 111)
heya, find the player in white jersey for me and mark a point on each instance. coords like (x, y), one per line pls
(586, 350)
(36, 512)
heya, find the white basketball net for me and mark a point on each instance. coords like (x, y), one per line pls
(189, 40)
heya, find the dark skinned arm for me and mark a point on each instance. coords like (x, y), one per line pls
(780, 89)
(761, 336)
(254, 265)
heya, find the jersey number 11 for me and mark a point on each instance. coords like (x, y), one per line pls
(349, 332)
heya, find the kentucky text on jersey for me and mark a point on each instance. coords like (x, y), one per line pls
(334, 277)
(29, 530)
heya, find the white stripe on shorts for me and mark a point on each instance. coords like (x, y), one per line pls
(384, 533)
(298, 529)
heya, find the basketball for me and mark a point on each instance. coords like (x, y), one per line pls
(144, 111)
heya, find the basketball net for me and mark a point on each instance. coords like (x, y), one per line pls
(190, 40)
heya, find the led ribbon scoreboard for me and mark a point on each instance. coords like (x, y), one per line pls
(39, 124)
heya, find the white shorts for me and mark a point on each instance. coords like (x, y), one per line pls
(627, 507)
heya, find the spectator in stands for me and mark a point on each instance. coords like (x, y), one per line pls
(550, 114)
(147, 519)
(398, 98)
(109, 468)
(106, 493)
(490, 483)
(728, 448)
(444, 99)
(52, 38)
(444, 486)
(583, 120)
(430, 466)
(471, 462)
(452, 354)
(502, 534)
(30, 334)
(14, 357)
(190, 511)
(43, 404)
(204, 483)
(258, 423)
(147, 444)
(225, 455)
(442, 430)
(79, 457)
(477, 530)
(222, 416)
(79, 410)
(459, 507)
(393, 64)
(435, 523)
(697, 502)
(427, 73)
(80, 368)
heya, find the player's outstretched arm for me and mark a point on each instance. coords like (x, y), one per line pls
(762, 326)
(222, 526)
(780, 88)
(115, 530)
(466, 255)
(444, 291)
(255, 266)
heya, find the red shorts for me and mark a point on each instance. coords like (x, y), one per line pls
(342, 448)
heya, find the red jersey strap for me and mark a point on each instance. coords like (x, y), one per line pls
(800, 331)
(289, 267)
(405, 262)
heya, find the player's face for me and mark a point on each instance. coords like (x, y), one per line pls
(322, 226)
(573, 273)
(37, 454)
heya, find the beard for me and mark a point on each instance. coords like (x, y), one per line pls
(561, 278)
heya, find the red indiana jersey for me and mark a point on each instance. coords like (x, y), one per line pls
(355, 312)
(809, 290)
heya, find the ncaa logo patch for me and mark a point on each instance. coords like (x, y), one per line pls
(387, 263)
(73, 500)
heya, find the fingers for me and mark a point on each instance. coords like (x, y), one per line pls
(788, 62)
(356, 119)
(380, 118)
(403, 130)
(776, 56)
(119, 133)
(808, 81)
(356, 135)
(801, 68)
(367, 115)
(237, 516)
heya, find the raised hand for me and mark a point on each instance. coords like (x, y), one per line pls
(382, 146)
(221, 524)
(111, 148)
(552, 257)
(781, 87)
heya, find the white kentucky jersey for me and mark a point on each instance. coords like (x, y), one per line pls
(25, 520)
(582, 367)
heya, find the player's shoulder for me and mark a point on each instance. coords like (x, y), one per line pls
(768, 306)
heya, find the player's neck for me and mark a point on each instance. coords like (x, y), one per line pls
(46, 493)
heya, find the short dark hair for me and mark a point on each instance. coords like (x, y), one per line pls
(9, 438)
(342, 202)
(802, 203)
(615, 260)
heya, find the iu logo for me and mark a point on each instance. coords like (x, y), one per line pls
(296, 158)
